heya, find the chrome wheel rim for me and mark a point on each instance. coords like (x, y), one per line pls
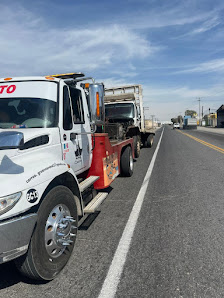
(58, 230)
(131, 162)
(138, 147)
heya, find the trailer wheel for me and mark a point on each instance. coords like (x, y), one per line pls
(137, 145)
(54, 236)
(149, 141)
(127, 163)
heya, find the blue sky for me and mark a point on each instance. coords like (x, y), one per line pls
(175, 49)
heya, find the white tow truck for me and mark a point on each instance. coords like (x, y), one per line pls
(54, 159)
(125, 116)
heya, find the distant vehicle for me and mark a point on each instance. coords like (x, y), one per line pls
(189, 123)
(125, 118)
(176, 125)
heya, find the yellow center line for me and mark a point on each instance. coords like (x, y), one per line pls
(221, 150)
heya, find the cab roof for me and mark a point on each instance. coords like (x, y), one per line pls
(56, 77)
(31, 78)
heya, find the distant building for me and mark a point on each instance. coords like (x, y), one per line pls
(220, 116)
(149, 123)
(210, 120)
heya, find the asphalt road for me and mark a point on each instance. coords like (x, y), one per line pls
(177, 249)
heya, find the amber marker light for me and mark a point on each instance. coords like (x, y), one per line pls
(87, 85)
(49, 78)
(7, 79)
(97, 104)
(68, 166)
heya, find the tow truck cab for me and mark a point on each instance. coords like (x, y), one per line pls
(52, 162)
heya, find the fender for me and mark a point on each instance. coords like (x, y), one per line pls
(69, 180)
(133, 131)
(31, 174)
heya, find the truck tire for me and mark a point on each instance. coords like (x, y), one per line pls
(53, 238)
(137, 145)
(149, 141)
(127, 162)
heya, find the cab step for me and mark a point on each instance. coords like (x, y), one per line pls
(95, 202)
(88, 182)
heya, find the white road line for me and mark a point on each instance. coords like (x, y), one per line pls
(112, 280)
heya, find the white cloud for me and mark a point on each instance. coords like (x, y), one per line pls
(216, 65)
(206, 26)
(30, 46)
(165, 16)
(211, 22)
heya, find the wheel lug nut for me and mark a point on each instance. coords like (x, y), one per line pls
(62, 226)
(70, 218)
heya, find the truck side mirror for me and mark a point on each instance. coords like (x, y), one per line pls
(11, 140)
(96, 105)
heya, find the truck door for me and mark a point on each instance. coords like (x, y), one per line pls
(81, 121)
(74, 139)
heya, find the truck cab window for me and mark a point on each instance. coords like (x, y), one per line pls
(19, 112)
(77, 106)
(67, 115)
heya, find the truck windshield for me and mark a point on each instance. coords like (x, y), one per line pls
(119, 111)
(27, 113)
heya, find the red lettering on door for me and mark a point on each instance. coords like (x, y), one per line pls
(2, 88)
(11, 89)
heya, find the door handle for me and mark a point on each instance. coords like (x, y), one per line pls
(73, 136)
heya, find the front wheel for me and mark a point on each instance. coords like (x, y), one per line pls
(137, 145)
(149, 141)
(127, 163)
(54, 236)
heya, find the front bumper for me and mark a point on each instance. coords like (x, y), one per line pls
(15, 236)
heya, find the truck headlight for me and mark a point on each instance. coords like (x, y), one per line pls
(7, 202)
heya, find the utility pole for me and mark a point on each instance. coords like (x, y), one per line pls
(145, 109)
(199, 101)
(152, 120)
